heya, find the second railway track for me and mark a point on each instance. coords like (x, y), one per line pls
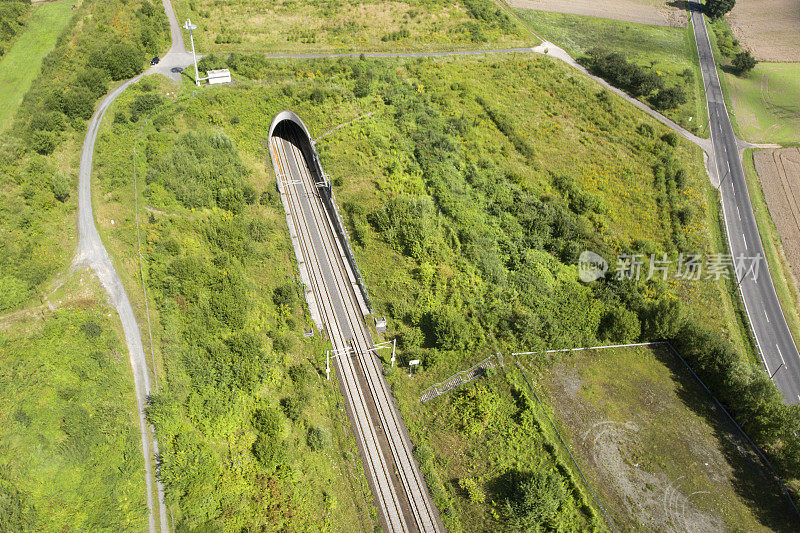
(399, 487)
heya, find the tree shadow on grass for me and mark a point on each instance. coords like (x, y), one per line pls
(752, 480)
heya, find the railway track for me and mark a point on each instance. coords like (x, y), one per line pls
(398, 486)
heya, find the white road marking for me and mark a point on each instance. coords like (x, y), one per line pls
(738, 213)
(779, 353)
(745, 241)
(765, 316)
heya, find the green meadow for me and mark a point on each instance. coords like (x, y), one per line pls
(23, 60)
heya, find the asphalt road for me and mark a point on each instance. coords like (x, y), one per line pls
(397, 484)
(778, 351)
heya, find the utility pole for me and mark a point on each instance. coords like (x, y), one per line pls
(189, 27)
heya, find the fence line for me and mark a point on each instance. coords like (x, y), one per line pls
(593, 348)
(465, 376)
(564, 444)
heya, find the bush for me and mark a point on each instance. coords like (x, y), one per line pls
(669, 98)
(144, 104)
(318, 438)
(95, 80)
(13, 291)
(123, 60)
(78, 102)
(534, 498)
(44, 142)
(91, 329)
(744, 62)
(614, 68)
(670, 138)
(284, 295)
(292, 408)
(60, 185)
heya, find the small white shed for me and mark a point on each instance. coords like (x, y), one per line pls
(218, 76)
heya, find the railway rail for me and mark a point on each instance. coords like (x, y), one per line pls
(398, 486)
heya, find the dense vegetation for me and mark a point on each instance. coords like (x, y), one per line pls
(251, 436)
(70, 451)
(492, 462)
(13, 14)
(38, 167)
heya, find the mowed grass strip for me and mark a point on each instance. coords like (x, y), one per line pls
(656, 449)
(766, 103)
(669, 51)
(23, 61)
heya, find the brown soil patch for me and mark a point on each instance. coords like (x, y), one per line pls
(770, 29)
(654, 12)
(779, 171)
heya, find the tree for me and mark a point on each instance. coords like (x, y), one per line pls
(718, 8)
(744, 62)
(669, 98)
(123, 60)
(534, 498)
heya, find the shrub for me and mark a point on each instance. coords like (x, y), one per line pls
(614, 68)
(143, 104)
(123, 60)
(669, 98)
(284, 295)
(292, 408)
(91, 329)
(318, 438)
(95, 80)
(258, 230)
(744, 62)
(534, 498)
(78, 102)
(60, 185)
(44, 142)
(13, 291)
(670, 138)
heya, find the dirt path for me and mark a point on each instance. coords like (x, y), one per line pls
(91, 253)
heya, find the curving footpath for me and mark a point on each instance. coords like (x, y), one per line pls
(91, 253)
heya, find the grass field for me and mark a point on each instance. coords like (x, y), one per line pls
(657, 451)
(226, 26)
(782, 276)
(21, 63)
(70, 451)
(766, 103)
(669, 51)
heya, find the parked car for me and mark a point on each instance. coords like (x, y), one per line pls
(155, 60)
